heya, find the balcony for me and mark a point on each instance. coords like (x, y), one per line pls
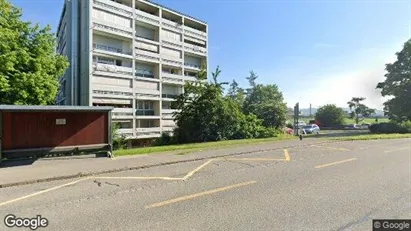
(147, 56)
(191, 66)
(148, 132)
(112, 70)
(113, 7)
(141, 95)
(195, 49)
(147, 18)
(145, 113)
(172, 78)
(168, 128)
(146, 40)
(169, 97)
(172, 25)
(104, 49)
(168, 113)
(122, 113)
(112, 29)
(176, 62)
(172, 43)
(112, 94)
(126, 131)
(195, 33)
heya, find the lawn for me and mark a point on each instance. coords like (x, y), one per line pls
(187, 148)
(371, 137)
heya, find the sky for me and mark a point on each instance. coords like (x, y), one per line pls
(317, 52)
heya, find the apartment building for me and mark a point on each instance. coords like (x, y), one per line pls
(133, 55)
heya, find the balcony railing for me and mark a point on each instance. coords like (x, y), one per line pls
(147, 96)
(147, 17)
(151, 129)
(120, 94)
(145, 112)
(111, 29)
(195, 32)
(110, 49)
(172, 25)
(190, 65)
(172, 43)
(172, 77)
(194, 48)
(113, 69)
(171, 62)
(147, 55)
(122, 9)
(169, 96)
(145, 75)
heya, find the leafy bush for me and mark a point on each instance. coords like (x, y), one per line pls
(165, 139)
(290, 125)
(119, 140)
(391, 128)
(330, 115)
(268, 132)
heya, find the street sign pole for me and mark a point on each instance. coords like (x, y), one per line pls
(296, 117)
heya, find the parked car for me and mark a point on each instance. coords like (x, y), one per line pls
(352, 126)
(311, 129)
(289, 131)
(300, 124)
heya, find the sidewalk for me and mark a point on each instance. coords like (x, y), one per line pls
(49, 169)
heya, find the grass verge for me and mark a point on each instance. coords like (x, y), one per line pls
(372, 137)
(187, 148)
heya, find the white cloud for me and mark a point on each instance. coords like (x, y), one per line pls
(364, 71)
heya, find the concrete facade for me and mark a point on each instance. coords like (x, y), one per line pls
(133, 55)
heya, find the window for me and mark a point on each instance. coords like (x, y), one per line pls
(145, 108)
(118, 62)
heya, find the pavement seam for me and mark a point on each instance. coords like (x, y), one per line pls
(115, 170)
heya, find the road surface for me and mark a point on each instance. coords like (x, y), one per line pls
(336, 186)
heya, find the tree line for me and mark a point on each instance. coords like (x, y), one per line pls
(205, 113)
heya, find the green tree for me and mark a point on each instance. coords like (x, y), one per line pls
(267, 102)
(251, 79)
(236, 93)
(397, 85)
(205, 114)
(359, 108)
(30, 68)
(330, 115)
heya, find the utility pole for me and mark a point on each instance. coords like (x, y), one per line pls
(310, 111)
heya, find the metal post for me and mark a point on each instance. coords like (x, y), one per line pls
(1, 134)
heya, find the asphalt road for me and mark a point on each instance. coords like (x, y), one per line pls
(337, 186)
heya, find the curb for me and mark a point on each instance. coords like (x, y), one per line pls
(95, 173)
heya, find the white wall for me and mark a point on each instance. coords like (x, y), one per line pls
(146, 85)
(98, 39)
(112, 18)
(192, 60)
(171, 52)
(111, 81)
(147, 46)
(170, 35)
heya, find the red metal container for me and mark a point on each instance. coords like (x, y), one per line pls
(30, 130)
